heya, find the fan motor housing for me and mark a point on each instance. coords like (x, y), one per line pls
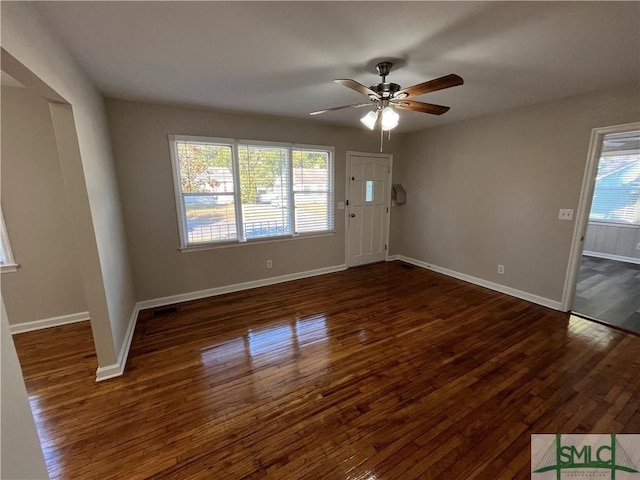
(385, 90)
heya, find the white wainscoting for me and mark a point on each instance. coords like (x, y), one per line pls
(614, 241)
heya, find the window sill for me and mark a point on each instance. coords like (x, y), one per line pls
(257, 241)
(9, 268)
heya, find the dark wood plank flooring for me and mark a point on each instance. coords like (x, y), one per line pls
(382, 372)
(609, 291)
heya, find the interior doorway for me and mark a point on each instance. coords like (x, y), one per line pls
(368, 202)
(607, 272)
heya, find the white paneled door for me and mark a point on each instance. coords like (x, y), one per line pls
(369, 178)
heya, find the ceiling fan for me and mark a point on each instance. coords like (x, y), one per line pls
(387, 96)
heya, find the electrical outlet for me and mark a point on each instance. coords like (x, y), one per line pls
(269, 264)
(501, 269)
(565, 214)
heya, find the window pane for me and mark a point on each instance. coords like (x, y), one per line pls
(210, 218)
(616, 197)
(205, 168)
(310, 171)
(206, 181)
(368, 193)
(312, 191)
(311, 212)
(264, 187)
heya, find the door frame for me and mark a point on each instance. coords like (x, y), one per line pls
(584, 207)
(388, 156)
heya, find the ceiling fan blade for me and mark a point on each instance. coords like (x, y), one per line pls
(358, 87)
(420, 107)
(441, 83)
(353, 105)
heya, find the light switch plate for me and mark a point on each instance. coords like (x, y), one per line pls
(566, 214)
(340, 205)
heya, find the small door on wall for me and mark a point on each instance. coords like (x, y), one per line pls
(369, 178)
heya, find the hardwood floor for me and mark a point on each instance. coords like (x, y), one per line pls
(382, 372)
(609, 291)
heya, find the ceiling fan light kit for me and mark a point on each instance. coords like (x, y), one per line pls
(389, 118)
(370, 119)
(385, 96)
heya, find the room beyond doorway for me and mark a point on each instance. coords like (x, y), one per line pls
(608, 279)
(609, 291)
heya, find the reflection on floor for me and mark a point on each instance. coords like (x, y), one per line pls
(609, 291)
(387, 372)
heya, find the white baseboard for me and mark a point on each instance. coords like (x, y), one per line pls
(392, 258)
(609, 256)
(545, 302)
(117, 369)
(110, 371)
(236, 287)
(102, 373)
(49, 322)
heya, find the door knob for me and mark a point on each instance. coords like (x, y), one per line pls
(353, 215)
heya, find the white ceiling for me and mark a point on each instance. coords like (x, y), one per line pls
(281, 57)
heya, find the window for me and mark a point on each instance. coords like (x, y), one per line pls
(7, 263)
(238, 191)
(312, 190)
(368, 191)
(264, 190)
(616, 196)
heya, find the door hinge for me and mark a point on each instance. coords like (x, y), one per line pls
(346, 203)
(389, 169)
(387, 209)
(385, 246)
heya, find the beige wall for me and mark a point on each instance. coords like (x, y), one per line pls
(487, 191)
(48, 282)
(139, 136)
(88, 170)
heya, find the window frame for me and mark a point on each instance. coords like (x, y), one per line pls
(7, 261)
(330, 186)
(235, 145)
